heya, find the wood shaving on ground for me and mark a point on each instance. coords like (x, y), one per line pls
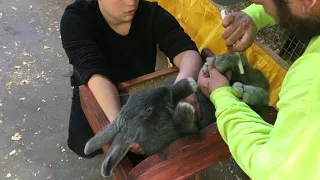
(26, 54)
(16, 137)
(1, 122)
(12, 152)
(8, 175)
(46, 47)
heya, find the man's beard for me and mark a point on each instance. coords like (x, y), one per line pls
(301, 28)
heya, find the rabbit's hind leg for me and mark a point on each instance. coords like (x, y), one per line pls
(184, 119)
(251, 95)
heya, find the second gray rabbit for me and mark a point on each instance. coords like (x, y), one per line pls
(252, 87)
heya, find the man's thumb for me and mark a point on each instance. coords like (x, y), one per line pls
(213, 71)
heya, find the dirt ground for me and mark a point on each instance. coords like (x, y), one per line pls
(35, 95)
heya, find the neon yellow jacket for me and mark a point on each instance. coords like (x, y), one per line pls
(289, 150)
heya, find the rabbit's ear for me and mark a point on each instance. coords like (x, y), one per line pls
(101, 138)
(120, 146)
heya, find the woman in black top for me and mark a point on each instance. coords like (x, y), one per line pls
(111, 41)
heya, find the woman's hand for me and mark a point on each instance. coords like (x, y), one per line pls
(136, 149)
(239, 27)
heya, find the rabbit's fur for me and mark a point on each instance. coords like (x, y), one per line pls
(153, 117)
(252, 87)
(156, 117)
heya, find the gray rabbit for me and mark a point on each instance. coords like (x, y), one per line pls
(252, 87)
(153, 117)
(156, 117)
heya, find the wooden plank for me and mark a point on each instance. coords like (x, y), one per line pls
(158, 74)
(98, 120)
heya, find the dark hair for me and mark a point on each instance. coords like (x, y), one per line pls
(282, 1)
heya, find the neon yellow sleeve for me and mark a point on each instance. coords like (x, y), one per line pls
(259, 16)
(288, 151)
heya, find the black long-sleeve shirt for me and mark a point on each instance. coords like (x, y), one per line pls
(94, 48)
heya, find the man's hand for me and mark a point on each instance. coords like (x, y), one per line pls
(239, 27)
(216, 80)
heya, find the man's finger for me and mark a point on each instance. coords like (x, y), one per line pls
(201, 75)
(228, 31)
(235, 36)
(213, 71)
(203, 85)
(244, 43)
(227, 20)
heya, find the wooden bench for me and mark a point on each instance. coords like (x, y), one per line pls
(183, 159)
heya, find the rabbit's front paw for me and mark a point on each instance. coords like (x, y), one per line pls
(193, 84)
(205, 67)
(238, 87)
(219, 63)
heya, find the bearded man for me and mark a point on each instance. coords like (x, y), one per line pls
(289, 150)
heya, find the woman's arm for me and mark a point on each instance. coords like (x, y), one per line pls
(189, 62)
(177, 45)
(88, 61)
(106, 95)
(180, 49)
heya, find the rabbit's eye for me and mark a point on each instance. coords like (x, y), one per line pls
(149, 109)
